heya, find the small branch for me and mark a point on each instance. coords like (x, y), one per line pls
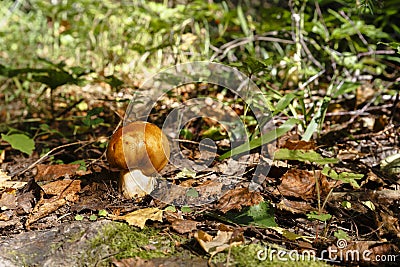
(377, 52)
(45, 156)
(224, 49)
(358, 32)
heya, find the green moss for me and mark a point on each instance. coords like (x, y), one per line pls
(123, 241)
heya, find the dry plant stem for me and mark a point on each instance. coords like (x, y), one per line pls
(358, 32)
(243, 41)
(45, 156)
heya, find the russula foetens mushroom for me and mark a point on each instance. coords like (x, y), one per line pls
(139, 149)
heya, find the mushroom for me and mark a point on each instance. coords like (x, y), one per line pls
(139, 149)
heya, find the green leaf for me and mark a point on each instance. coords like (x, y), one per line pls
(347, 87)
(103, 213)
(346, 204)
(186, 209)
(186, 134)
(340, 234)
(369, 204)
(302, 155)
(185, 173)
(345, 177)
(214, 133)
(261, 215)
(264, 139)
(192, 193)
(291, 236)
(93, 217)
(317, 120)
(319, 216)
(170, 208)
(95, 111)
(20, 142)
(78, 217)
(283, 103)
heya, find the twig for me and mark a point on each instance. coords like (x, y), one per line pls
(45, 156)
(309, 54)
(377, 52)
(242, 41)
(358, 32)
(312, 78)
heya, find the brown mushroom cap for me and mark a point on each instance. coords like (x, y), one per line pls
(139, 145)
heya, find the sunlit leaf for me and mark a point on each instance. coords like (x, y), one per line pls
(264, 139)
(20, 142)
(302, 155)
(319, 216)
(340, 234)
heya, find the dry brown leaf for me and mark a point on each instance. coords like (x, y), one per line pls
(294, 206)
(299, 144)
(301, 184)
(8, 201)
(6, 215)
(184, 226)
(235, 199)
(390, 224)
(349, 154)
(6, 183)
(209, 188)
(63, 192)
(53, 172)
(139, 217)
(214, 245)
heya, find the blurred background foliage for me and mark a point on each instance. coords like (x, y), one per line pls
(124, 37)
(316, 50)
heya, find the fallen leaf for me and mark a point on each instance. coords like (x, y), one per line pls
(235, 199)
(6, 183)
(28, 196)
(6, 215)
(214, 245)
(294, 206)
(299, 144)
(8, 201)
(53, 172)
(390, 224)
(63, 192)
(139, 217)
(184, 226)
(301, 184)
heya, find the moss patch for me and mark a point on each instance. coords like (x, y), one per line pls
(120, 240)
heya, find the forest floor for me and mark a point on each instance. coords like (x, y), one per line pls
(61, 206)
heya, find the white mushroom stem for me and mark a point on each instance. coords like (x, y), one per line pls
(134, 184)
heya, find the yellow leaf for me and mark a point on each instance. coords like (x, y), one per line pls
(139, 217)
(214, 245)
